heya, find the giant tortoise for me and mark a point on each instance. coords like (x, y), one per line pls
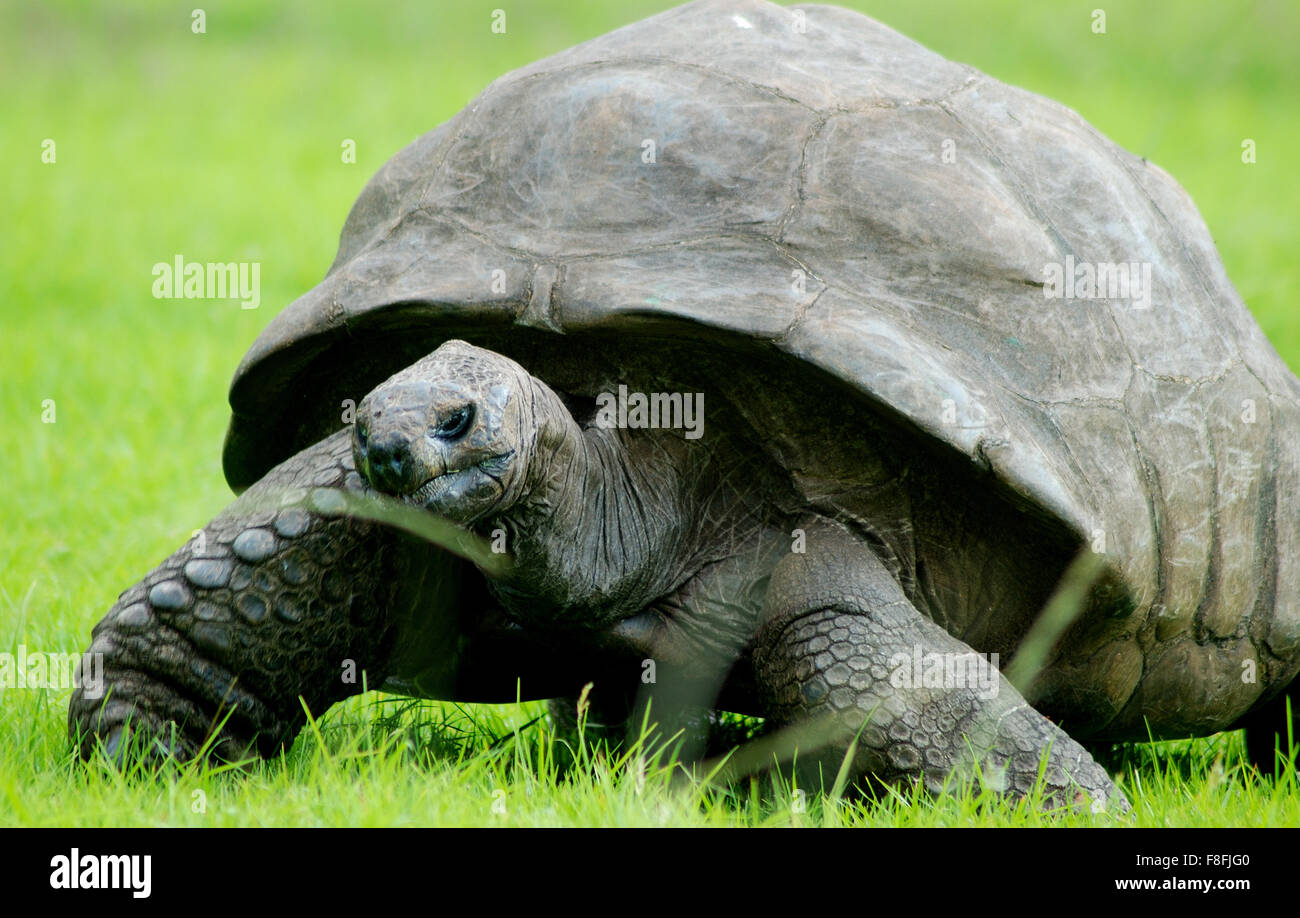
(786, 368)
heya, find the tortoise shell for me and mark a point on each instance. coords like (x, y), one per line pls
(807, 190)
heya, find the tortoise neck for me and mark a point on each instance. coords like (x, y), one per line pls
(603, 529)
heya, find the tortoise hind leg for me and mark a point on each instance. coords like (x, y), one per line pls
(608, 712)
(1267, 729)
(617, 714)
(837, 651)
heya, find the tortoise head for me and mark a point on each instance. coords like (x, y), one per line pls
(455, 433)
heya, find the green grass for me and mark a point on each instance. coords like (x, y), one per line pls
(386, 761)
(226, 146)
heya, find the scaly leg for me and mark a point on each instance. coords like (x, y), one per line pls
(839, 646)
(265, 605)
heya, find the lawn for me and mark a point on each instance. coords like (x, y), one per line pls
(226, 146)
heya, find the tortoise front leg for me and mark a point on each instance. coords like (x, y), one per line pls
(265, 605)
(838, 647)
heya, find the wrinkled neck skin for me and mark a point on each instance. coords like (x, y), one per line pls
(603, 524)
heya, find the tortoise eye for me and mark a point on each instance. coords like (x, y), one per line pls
(455, 424)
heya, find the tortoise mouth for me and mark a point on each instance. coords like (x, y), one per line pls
(465, 489)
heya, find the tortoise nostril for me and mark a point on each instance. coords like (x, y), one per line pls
(388, 462)
(387, 450)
